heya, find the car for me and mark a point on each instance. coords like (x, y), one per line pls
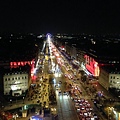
(57, 88)
(60, 82)
(59, 93)
(56, 85)
(38, 101)
(78, 109)
(66, 75)
(65, 93)
(50, 72)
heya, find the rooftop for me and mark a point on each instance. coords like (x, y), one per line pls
(115, 69)
(20, 70)
(103, 48)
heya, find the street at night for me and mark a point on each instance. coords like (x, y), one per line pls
(59, 60)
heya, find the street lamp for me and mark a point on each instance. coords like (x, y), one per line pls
(65, 46)
(23, 100)
(2, 106)
(10, 100)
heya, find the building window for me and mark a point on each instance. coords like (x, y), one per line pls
(12, 78)
(9, 79)
(22, 77)
(111, 77)
(25, 77)
(5, 79)
(18, 78)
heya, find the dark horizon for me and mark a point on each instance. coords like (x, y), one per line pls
(60, 16)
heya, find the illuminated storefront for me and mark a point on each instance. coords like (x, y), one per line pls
(36, 118)
(17, 64)
(91, 65)
(113, 113)
(23, 63)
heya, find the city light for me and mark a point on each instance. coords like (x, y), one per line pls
(35, 118)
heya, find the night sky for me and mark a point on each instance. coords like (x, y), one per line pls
(60, 16)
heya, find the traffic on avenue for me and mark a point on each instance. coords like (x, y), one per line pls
(59, 91)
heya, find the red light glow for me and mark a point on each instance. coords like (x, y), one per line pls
(92, 66)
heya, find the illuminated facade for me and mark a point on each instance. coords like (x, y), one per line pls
(92, 66)
(113, 112)
(23, 63)
(109, 79)
(17, 64)
(114, 80)
(15, 83)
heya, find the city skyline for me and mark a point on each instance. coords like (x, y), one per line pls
(85, 74)
(60, 16)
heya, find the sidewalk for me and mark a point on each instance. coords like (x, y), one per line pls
(37, 117)
(25, 118)
(21, 103)
(106, 93)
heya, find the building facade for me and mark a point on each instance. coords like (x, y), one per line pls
(114, 80)
(16, 83)
(109, 77)
(104, 78)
